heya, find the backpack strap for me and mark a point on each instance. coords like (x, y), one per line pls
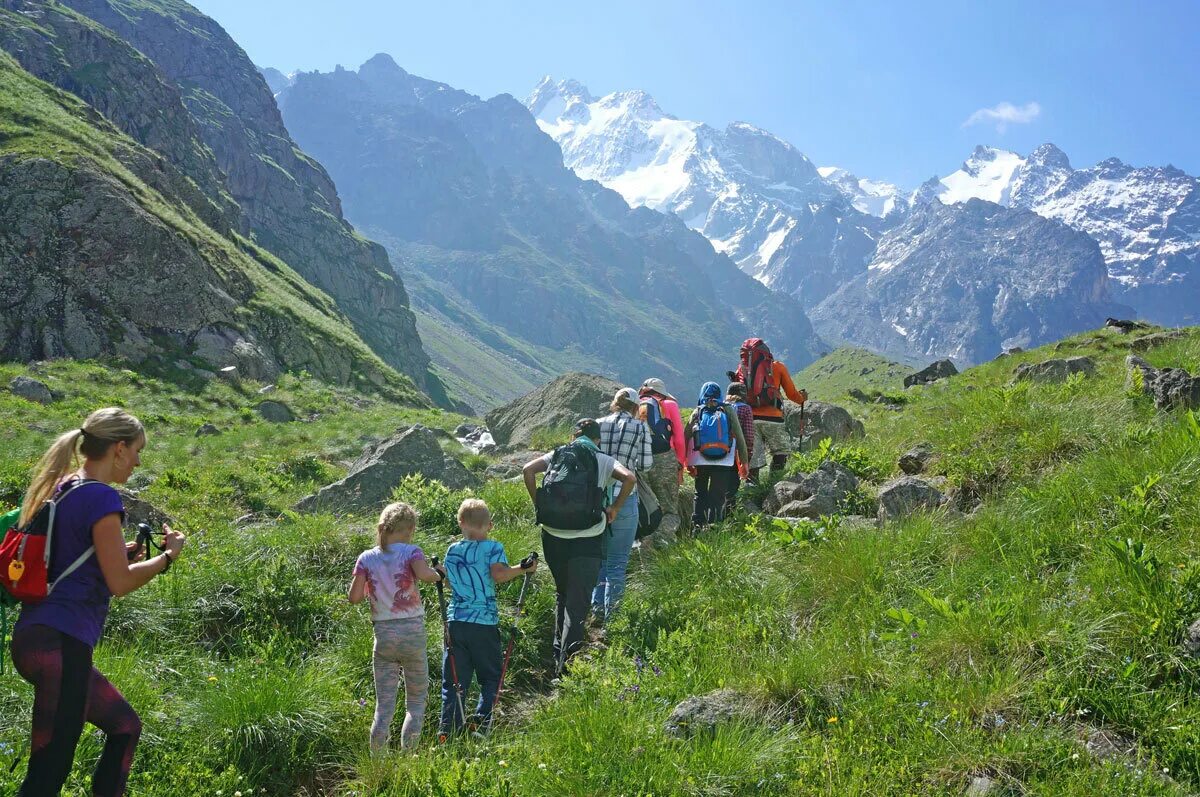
(83, 557)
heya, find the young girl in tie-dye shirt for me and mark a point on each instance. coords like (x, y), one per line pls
(387, 576)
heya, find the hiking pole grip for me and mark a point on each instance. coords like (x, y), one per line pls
(528, 561)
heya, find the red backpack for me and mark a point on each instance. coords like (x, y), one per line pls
(26, 551)
(756, 371)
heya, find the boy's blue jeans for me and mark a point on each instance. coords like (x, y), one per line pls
(611, 584)
(476, 650)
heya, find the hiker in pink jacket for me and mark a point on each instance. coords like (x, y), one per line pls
(660, 411)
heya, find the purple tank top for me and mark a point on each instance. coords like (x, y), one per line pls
(78, 606)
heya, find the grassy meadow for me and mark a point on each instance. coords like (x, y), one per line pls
(906, 660)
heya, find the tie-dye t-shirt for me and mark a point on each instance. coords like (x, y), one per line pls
(391, 585)
(469, 568)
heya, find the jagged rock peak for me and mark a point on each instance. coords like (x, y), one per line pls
(566, 91)
(1049, 155)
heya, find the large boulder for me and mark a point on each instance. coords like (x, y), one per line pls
(702, 714)
(556, 405)
(931, 373)
(138, 511)
(812, 494)
(1169, 387)
(381, 468)
(275, 412)
(907, 495)
(1054, 371)
(30, 389)
(1147, 342)
(822, 421)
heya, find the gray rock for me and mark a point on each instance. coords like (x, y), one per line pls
(510, 465)
(556, 405)
(819, 492)
(931, 373)
(1055, 370)
(907, 495)
(1191, 640)
(822, 420)
(916, 459)
(140, 511)
(30, 389)
(1147, 342)
(373, 478)
(265, 389)
(465, 429)
(207, 430)
(702, 714)
(982, 786)
(275, 412)
(229, 374)
(1105, 744)
(1170, 388)
(814, 507)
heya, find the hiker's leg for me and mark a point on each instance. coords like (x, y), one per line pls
(758, 458)
(385, 665)
(719, 482)
(553, 549)
(60, 669)
(415, 660)
(663, 478)
(624, 531)
(460, 632)
(731, 493)
(582, 568)
(487, 658)
(109, 711)
(778, 443)
(701, 500)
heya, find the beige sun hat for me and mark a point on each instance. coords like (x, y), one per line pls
(657, 386)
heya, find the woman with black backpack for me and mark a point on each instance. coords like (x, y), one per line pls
(89, 563)
(717, 453)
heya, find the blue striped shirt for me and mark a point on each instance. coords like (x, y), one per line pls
(469, 567)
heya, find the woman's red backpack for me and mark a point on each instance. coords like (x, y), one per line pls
(26, 551)
(756, 371)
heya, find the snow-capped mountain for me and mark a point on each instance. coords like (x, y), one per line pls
(967, 280)
(1145, 219)
(753, 195)
(869, 196)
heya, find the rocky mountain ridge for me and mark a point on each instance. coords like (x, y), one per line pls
(1145, 219)
(492, 231)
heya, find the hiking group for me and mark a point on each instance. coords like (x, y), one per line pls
(64, 556)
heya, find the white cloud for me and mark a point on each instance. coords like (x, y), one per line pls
(1005, 114)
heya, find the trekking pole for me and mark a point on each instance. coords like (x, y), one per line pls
(447, 645)
(526, 563)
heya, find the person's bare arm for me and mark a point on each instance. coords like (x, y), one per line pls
(358, 588)
(424, 572)
(112, 554)
(530, 472)
(502, 573)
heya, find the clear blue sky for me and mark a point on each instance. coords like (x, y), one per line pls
(882, 88)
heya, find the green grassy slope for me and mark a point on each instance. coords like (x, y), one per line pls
(830, 377)
(898, 661)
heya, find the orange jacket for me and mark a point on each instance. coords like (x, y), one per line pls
(783, 380)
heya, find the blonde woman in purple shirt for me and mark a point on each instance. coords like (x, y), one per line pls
(53, 640)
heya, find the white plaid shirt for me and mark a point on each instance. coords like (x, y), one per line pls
(627, 440)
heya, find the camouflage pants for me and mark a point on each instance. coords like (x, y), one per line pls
(663, 480)
(771, 438)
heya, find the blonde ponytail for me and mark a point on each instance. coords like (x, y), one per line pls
(102, 429)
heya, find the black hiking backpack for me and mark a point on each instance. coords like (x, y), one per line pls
(570, 497)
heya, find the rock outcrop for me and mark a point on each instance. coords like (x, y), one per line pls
(1055, 370)
(556, 406)
(703, 714)
(288, 201)
(822, 421)
(30, 389)
(941, 369)
(372, 478)
(916, 459)
(907, 495)
(812, 495)
(1170, 388)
